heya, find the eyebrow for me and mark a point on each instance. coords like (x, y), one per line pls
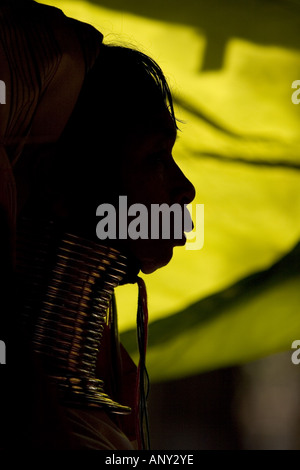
(171, 132)
(161, 133)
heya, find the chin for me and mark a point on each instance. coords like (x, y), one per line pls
(151, 265)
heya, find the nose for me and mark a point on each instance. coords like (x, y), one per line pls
(184, 190)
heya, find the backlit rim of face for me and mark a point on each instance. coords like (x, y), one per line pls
(140, 165)
(150, 176)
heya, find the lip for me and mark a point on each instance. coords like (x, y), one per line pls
(180, 241)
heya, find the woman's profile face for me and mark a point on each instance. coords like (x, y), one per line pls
(135, 162)
(150, 176)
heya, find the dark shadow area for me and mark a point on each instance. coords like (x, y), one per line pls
(264, 22)
(195, 413)
(251, 407)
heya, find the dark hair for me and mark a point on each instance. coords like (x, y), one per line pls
(139, 73)
(123, 86)
(124, 91)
